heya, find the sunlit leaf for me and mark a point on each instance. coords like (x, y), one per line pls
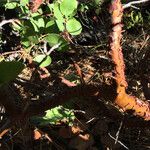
(51, 7)
(57, 12)
(36, 29)
(11, 5)
(24, 2)
(60, 25)
(17, 26)
(54, 39)
(55, 116)
(73, 27)
(43, 60)
(67, 7)
(26, 43)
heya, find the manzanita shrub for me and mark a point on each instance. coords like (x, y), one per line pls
(50, 27)
(52, 24)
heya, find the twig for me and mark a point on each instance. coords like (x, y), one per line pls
(8, 21)
(67, 82)
(135, 7)
(92, 119)
(117, 134)
(134, 3)
(8, 53)
(53, 48)
(45, 47)
(118, 141)
(10, 138)
(5, 128)
(45, 135)
(79, 111)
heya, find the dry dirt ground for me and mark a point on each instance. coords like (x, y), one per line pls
(92, 128)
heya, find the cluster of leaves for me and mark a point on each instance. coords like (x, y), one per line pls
(136, 18)
(91, 5)
(56, 115)
(52, 25)
(133, 19)
(45, 25)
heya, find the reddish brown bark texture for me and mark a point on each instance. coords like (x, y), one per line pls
(123, 100)
(35, 4)
(120, 97)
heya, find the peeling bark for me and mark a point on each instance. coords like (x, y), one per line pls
(116, 93)
(123, 100)
(35, 4)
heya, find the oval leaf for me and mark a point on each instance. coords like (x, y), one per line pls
(43, 60)
(60, 25)
(54, 39)
(24, 2)
(11, 5)
(57, 12)
(67, 7)
(51, 27)
(10, 70)
(73, 26)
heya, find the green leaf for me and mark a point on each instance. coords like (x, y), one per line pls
(9, 70)
(83, 7)
(54, 115)
(25, 11)
(51, 7)
(97, 2)
(11, 5)
(26, 43)
(50, 23)
(73, 26)
(33, 39)
(24, 2)
(60, 25)
(54, 39)
(39, 21)
(67, 7)
(136, 19)
(17, 26)
(36, 14)
(51, 27)
(57, 13)
(43, 60)
(28, 29)
(36, 29)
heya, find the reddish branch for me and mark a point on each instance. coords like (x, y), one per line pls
(123, 100)
(35, 4)
(116, 49)
(115, 93)
(92, 92)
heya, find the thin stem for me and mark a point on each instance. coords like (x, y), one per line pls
(130, 4)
